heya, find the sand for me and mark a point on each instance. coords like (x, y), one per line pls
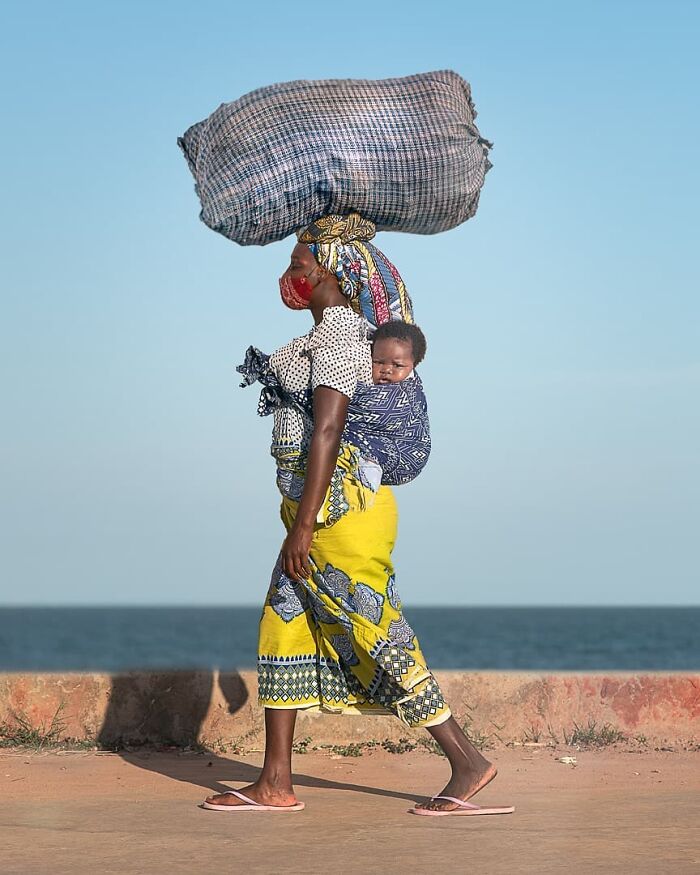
(614, 811)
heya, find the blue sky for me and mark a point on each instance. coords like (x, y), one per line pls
(563, 366)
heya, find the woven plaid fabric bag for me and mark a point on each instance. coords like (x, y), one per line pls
(404, 153)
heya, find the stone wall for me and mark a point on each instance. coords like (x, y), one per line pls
(216, 707)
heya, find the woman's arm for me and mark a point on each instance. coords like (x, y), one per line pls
(330, 412)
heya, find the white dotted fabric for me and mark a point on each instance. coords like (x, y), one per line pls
(335, 353)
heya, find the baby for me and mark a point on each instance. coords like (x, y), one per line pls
(397, 347)
(389, 427)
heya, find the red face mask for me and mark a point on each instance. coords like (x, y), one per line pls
(295, 291)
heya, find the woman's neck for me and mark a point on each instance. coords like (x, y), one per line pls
(324, 296)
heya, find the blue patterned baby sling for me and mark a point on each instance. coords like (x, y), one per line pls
(388, 423)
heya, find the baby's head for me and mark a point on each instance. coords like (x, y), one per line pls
(397, 348)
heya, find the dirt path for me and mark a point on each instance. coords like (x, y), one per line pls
(614, 812)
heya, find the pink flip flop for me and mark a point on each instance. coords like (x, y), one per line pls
(465, 808)
(250, 804)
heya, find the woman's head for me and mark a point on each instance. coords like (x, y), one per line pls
(397, 347)
(365, 276)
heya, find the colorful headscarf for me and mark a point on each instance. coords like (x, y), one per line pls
(365, 275)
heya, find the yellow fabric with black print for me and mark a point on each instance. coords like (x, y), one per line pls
(338, 641)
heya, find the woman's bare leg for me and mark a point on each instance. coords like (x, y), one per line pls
(470, 770)
(274, 785)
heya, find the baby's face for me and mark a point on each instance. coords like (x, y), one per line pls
(392, 360)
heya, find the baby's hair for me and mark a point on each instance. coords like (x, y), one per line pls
(406, 333)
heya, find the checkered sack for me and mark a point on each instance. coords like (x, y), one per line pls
(404, 153)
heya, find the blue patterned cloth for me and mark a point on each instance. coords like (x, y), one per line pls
(404, 153)
(388, 423)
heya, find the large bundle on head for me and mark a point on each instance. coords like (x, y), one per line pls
(404, 153)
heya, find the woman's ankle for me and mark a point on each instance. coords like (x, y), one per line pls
(279, 780)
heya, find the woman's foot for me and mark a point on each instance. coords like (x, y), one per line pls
(464, 783)
(265, 794)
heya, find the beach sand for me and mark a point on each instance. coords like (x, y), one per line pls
(615, 811)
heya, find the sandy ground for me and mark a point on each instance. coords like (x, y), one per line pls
(615, 811)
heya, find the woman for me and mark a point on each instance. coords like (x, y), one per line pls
(332, 634)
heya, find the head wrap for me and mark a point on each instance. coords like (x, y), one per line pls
(365, 275)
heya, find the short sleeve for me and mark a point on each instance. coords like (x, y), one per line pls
(334, 367)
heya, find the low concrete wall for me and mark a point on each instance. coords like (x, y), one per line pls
(210, 707)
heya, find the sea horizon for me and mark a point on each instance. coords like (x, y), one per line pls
(201, 637)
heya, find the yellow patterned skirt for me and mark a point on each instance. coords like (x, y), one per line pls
(338, 641)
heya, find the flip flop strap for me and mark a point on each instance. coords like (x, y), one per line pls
(460, 802)
(241, 796)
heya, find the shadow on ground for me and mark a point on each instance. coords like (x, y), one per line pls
(168, 708)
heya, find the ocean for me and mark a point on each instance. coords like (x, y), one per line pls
(546, 639)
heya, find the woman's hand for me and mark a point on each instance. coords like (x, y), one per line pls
(295, 551)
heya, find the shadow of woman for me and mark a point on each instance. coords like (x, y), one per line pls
(168, 708)
(164, 708)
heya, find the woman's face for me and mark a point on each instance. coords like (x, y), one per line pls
(302, 261)
(307, 285)
(301, 279)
